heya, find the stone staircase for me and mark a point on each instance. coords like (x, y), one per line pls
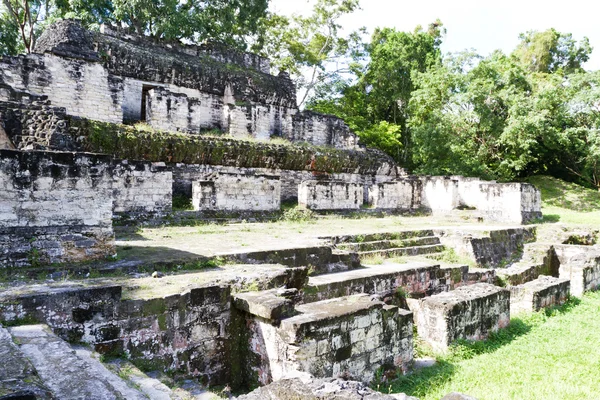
(43, 366)
(396, 244)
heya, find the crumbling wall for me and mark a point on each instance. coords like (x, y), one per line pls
(244, 192)
(510, 202)
(330, 195)
(440, 193)
(35, 124)
(351, 337)
(54, 207)
(323, 130)
(185, 333)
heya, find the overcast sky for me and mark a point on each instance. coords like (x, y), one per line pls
(475, 24)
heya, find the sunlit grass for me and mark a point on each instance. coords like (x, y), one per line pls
(546, 355)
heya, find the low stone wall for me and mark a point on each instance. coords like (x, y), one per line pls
(142, 188)
(470, 312)
(348, 337)
(234, 192)
(404, 194)
(330, 195)
(440, 193)
(501, 202)
(545, 291)
(510, 202)
(187, 334)
(496, 249)
(54, 207)
(581, 265)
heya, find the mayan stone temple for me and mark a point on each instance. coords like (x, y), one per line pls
(112, 290)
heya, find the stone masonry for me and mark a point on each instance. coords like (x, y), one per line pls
(469, 312)
(246, 192)
(330, 195)
(54, 207)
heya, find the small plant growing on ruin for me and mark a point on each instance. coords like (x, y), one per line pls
(297, 214)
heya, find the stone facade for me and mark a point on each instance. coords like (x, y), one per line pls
(54, 207)
(403, 194)
(142, 188)
(330, 195)
(469, 312)
(106, 76)
(500, 202)
(237, 192)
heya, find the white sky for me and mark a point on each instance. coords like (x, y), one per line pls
(475, 24)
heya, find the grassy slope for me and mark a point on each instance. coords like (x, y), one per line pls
(552, 355)
(567, 202)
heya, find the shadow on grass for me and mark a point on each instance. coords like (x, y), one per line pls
(548, 219)
(422, 382)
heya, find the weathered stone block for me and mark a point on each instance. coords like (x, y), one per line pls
(469, 312)
(404, 194)
(330, 195)
(545, 291)
(349, 336)
(237, 192)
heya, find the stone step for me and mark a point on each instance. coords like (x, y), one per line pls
(67, 373)
(416, 279)
(404, 251)
(153, 385)
(18, 377)
(544, 291)
(373, 237)
(389, 244)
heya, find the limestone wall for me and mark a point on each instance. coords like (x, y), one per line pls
(403, 194)
(54, 207)
(499, 202)
(510, 202)
(469, 312)
(232, 192)
(140, 187)
(84, 88)
(186, 333)
(330, 195)
(350, 337)
(323, 130)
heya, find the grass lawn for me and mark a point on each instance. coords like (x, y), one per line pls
(567, 202)
(547, 355)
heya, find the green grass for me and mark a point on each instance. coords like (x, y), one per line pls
(567, 202)
(552, 354)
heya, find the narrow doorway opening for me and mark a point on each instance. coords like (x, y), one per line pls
(143, 109)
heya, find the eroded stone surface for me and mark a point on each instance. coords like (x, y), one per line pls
(345, 337)
(469, 312)
(545, 291)
(319, 389)
(68, 375)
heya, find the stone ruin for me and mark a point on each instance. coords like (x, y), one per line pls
(301, 313)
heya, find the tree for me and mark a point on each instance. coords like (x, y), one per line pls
(10, 43)
(232, 22)
(310, 48)
(550, 51)
(25, 15)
